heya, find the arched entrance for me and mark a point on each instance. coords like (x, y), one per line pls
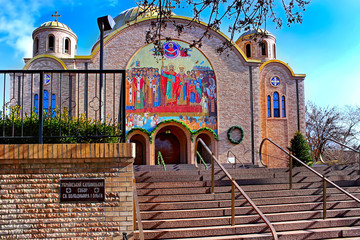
(171, 142)
(140, 157)
(200, 148)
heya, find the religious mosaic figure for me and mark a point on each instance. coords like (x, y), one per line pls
(157, 89)
(139, 84)
(211, 95)
(130, 90)
(182, 89)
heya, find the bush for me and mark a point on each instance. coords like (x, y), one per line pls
(59, 128)
(300, 149)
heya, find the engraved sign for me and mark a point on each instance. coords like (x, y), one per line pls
(82, 190)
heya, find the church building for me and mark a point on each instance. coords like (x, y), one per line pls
(231, 100)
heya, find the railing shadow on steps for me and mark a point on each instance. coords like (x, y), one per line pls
(136, 210)
(341, 144)
(323, 177)
(234, 185)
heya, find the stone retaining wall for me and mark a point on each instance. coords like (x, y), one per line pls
(30, 205)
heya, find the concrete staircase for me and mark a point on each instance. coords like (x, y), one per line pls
(177, 204)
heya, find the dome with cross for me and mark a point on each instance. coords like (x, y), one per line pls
(54, 38)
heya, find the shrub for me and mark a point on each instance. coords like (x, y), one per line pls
(58, 127)
(300, 149)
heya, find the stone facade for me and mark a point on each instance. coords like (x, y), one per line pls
(30, 206)
(243, 84)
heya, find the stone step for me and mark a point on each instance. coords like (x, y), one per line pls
(286, 227)
(203, 187)
(252, 195)
(240, 202)
(226, 211)
(249, 218)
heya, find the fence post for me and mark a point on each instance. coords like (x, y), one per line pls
(41, 107)
(290, 171)
(324, 197)
(122, 107)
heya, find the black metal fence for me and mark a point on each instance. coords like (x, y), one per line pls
(62, 105)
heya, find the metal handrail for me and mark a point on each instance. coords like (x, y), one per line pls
(136, 208)
(235, 158)
(201, 161)
(341, 144)
(325, 180)
(233, 186)
(160, 161)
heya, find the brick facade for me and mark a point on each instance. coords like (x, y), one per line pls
(232, 71)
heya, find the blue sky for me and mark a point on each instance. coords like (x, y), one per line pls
(325, 47)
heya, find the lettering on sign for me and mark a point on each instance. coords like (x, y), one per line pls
(82, 190)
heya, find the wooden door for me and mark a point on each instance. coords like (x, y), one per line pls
(169, 146)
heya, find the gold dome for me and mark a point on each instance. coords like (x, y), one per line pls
(54, 24)
(133, 14)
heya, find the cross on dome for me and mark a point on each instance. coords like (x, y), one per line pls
(56, 16)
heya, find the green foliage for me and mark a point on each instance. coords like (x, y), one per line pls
(59, 128)
(300, 149)
(193, 133)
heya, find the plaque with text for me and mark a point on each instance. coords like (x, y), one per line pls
(82, 190)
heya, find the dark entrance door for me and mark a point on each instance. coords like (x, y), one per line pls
(139, 158)
(169, 146)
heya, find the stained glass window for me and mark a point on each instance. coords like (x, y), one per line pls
(283, 106)
(269, 106)
(276, 105)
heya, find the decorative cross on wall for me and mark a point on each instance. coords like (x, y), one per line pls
(56, 16)
(275, 81)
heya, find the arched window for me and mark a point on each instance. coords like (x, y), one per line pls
(269, 105)
(274, 51)
(46, 101)
(276, 104)
(283, 106)
(67, 45)
(263, 48)
(248, 50)
(53, 104)
(36, 45)
(51, 43)
(36, 104)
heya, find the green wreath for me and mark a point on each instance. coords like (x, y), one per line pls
(233, 140)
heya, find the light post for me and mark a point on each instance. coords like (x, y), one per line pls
(105, 23)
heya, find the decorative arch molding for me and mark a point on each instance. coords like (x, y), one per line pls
(283, 64)
(96, 47)
(45, 56)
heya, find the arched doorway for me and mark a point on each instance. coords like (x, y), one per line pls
(140, 157)
(200, 148)
(171, 142)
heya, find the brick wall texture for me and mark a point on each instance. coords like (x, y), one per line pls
(29, 191)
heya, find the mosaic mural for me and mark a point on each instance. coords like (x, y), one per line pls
(181, 86)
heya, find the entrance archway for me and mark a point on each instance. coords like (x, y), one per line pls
(200, 148)
(171, 142)
(140, 157)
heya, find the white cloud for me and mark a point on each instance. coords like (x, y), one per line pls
(17, 22)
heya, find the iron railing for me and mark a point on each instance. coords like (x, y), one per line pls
(160, 161)
(323, 177)
(39, 106)
(341, 144)
(202, 161)
(235, 159)
(234, 185)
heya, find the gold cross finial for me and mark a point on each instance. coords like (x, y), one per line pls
(56, 16)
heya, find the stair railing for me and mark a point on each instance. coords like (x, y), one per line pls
(202, 161)
(234, 185)
(236, 159)
(324, 179)
(341, 144)
(136, 210)
(160, 161)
